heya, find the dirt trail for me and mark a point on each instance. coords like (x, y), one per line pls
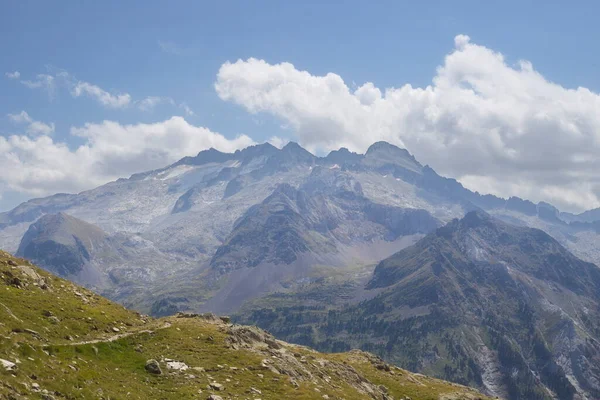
(118, 336)
(11, 313)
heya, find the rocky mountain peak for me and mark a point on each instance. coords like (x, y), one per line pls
(343, 156)
(476, 218)
(211, 155)
(260, 150)
(297, 153)
(384, 153)
(383, 147)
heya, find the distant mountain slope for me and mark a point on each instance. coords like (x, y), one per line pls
(330, 209)
(58, 340)
(586, 216)
(326, 222)
(478, 301)
(61, 243)
(170, 228)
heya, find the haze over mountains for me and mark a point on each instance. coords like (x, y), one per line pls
(274, 231)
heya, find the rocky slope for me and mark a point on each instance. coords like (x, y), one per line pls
(64, 245)
(326, 221)
(58, 340)
(478, 301)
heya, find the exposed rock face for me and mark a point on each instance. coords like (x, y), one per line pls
(250, 337)
(328, 211)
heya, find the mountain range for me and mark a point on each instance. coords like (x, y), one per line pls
(497, 293)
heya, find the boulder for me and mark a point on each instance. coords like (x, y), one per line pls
(7, 365)
(153, 367)
(177, 365)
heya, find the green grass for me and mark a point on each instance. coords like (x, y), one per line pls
(52, 359)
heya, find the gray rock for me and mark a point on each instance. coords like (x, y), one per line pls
(8, 365)
(153, 367)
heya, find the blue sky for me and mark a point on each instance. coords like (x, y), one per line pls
(174, 52)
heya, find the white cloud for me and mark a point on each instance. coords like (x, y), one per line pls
(497, 127)
(33, 127)
(119, 100)
(40, 128)
(13, 75)
(41, 166)
(150, 102)
(186, 109)
(78, 88)
(20, 117)
(278, 142)
(41, 81)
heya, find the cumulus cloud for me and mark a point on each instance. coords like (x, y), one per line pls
(13, 75)
(118, 100)
(495, 126)
(42, 166)
(33, 127)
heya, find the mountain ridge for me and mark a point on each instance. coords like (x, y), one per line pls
(473, 301)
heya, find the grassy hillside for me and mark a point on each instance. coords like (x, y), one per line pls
(60, 341)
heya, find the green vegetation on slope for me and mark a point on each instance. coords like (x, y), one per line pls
(59, 341)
